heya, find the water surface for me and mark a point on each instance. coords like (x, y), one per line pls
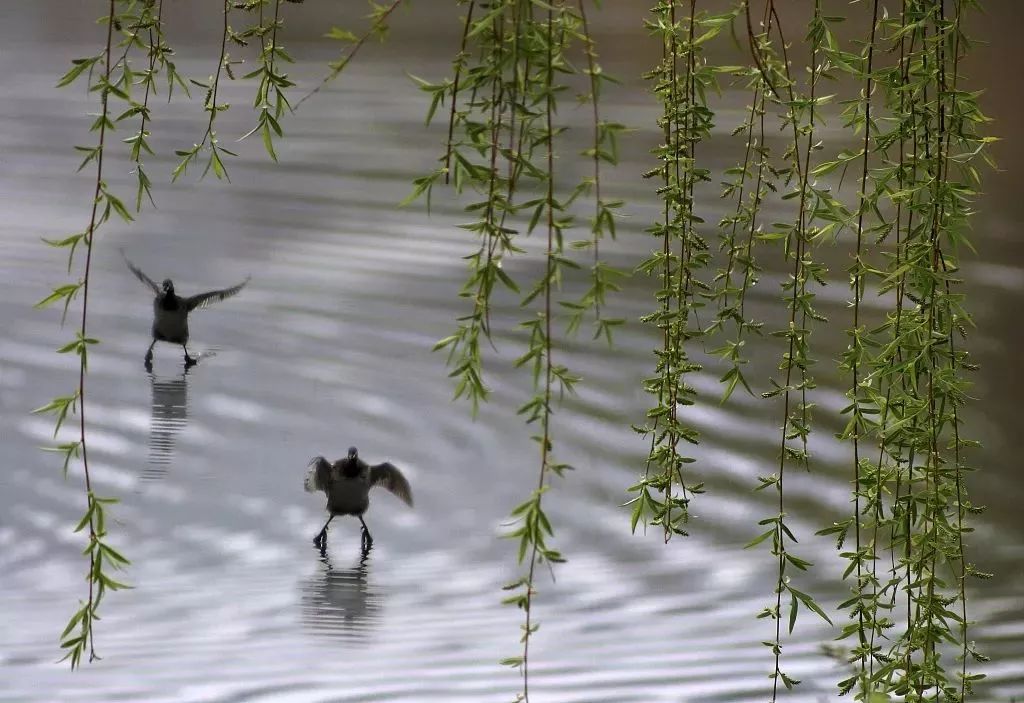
(330, 346)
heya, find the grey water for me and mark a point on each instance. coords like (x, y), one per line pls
(330, 346)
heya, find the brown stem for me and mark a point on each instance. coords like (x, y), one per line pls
(755, 52)
(455, 92)
(857, 284)
(336, 71)
(94, 553)
(548, 365)
(216, 78)
(594, 88)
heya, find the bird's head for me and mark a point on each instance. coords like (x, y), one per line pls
(168, 286)
(353, 453)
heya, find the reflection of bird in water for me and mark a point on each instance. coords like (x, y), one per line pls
(340, 603)
(170, 311)
(169, 417)
(347, 483)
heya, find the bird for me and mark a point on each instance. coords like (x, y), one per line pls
(170, 311)
(347, 483)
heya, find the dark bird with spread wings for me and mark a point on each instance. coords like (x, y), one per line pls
(170, 311)
(347, 483)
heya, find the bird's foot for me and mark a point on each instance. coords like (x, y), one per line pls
(148, 365)
(367, 540)
(190, 361)
(321, 538)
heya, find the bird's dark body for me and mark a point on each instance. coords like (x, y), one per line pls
(170, 318)
(169, 302)
(354, 468)
(351, 499)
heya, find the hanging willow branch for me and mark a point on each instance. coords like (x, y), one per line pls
(78, 636)
(502, 143)
(910, 388)
(604, 148)
(663, 498)
(378, 28)
(729, 297)
(211, 106)
(551, 264)
(270, 99)
(798, 114)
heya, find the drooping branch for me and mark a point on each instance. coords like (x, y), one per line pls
(378, 26)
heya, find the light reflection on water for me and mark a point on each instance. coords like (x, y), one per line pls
(341, 602)
(327, 347)
(169, 417)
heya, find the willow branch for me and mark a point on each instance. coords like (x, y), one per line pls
(97, 192)
(343, 62)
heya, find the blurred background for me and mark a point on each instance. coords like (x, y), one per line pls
(329, 346)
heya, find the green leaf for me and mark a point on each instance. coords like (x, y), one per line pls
(809, 602)
(75, 619)
(118, 206)
(268, 141)
(341, 35)
(760, 538)
(793, 608)
(78, 66)
(59, 293)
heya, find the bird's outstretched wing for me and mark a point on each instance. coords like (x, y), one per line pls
(204, 300)
(140, 275)
(318, 478)
(391, 478)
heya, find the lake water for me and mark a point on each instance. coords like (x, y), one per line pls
(329, 346)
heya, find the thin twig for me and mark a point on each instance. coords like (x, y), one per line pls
(857, 278)
(594, 88)
(548, 365)
(455, 93)
(152, 66)
(344, 60)
(755, 52)
(216, 78)
(95, 554)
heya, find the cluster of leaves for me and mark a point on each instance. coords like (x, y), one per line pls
(775, 83)
(908, 386)
(683, 80)
(681, 83)
(270, 101)
(515, 59)
(112, 79)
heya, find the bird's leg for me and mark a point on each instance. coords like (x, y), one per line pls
(367, 539)
(149, 355)
(321, 538)
(189, 361)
